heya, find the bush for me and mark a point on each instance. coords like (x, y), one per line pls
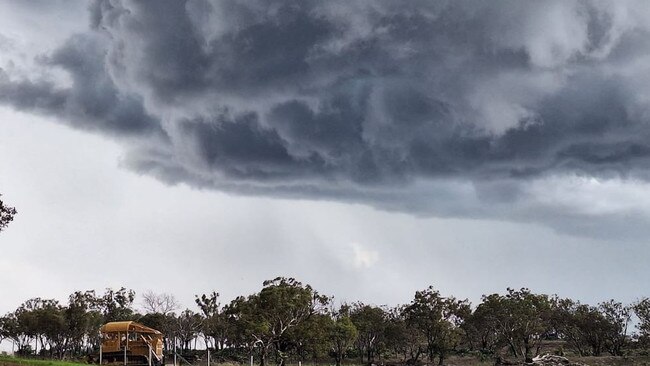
(25, 351)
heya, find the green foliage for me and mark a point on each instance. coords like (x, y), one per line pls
(642, 311)
(263, 319)
(370, 322)
(42, 320)
(159, 321)
(55, 330)
(214, 325)
(341, 333)
(521, 319)
(618, 316)
(438, 319)
(584, 327)
(11, 329)
(480, 329)
(82, 320)
(402, 338)
(117, 305)
(187, 327)
(287, 320)
(7, 214)
(309, 339)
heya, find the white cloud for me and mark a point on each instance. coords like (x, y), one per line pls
(591, 196)
(363, 257)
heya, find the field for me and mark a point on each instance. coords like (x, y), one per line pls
(14, 361)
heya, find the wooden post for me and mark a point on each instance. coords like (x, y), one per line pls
(174, 351)
(251, 360)
(150, 355)
(208, 350)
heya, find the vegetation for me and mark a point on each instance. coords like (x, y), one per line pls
(7, 214)
(14, 361)
(289, 321)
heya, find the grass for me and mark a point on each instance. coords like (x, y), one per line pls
(452, 361)
(15, 361)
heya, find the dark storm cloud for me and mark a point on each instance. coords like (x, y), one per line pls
(360, 100)
(91, 102)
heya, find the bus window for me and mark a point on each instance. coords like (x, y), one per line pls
(109, 336)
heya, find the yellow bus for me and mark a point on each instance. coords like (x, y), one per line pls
(130, 343)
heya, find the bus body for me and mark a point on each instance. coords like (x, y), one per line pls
(131, 343)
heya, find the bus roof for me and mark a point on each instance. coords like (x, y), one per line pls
(127, 326)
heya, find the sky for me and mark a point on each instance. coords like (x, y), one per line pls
(368, 148)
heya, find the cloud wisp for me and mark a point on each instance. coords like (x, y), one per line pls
(449, 108)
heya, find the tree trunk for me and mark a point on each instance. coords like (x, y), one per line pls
(527, 356)
(416, 356)
(361, 355)
(513, 348)
(441, 358)
(279, 353)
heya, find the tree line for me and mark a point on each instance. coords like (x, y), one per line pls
(288, 320)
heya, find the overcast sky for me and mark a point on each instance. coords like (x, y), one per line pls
(368, 148)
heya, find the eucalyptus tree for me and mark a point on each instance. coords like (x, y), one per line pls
(370, 322)
(520, 318)
(264, 318)
(41, 321)
(187, 328)
(402, 339)
(582, 326)
(642, 311)
(618, 316)
(480, 329)
(7, 214)
(438, 319)
(10, 329)
(166, 323)
(117, 305)
(83, 319)
(309, 340)
(342, 333)
(214, 326)
(51, 323)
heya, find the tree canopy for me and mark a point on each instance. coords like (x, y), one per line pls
(7, 214)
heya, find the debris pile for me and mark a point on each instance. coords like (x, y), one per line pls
(553, 360)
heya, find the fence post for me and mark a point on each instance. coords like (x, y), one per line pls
(127, 345)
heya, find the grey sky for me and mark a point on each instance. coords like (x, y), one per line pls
(369, 149)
